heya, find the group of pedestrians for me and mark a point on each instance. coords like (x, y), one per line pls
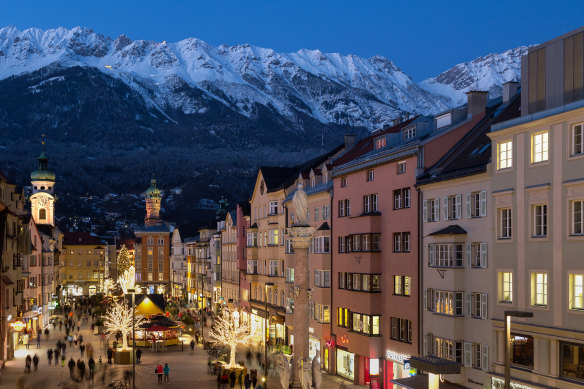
(232, 376)
(159, 370)
(31, 361)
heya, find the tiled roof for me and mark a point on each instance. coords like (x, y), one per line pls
(79, 238)
(159, 227)
(454, 229)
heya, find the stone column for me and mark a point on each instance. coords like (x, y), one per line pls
(300, 236)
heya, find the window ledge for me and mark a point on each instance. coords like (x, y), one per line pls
(576, 311)
(538, 164)
(504, 240)
(540, 307)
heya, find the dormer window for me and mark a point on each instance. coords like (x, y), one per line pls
(443, 120)
(312, 182)
(325, 177)
(379, 143)
(409, 133)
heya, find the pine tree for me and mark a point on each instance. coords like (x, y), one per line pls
(124, 260)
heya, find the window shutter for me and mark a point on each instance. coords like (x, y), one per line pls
(316, 278)
(468, 205)
(467, 302)
(485, 357)
(425, 349)
(458, 206)
(445, 208)
(467, 354)
(437, 208)
(483, 198)
(484, 254)
(484, 306)
(432, 259)
(425, 212)
(425, 300)
(469, 255)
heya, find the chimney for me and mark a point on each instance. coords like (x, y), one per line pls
(349, 141)
(477, 102)
(509, 90)
(396, 121)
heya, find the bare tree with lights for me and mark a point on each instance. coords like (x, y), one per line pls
(124, 260)
(128, 279)
(228, 331)
(118, 318)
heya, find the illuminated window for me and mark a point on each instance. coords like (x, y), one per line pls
(505, 287)
(539, 289)
(539, 147)
(380, 143)
(504, 155)
(576, 291)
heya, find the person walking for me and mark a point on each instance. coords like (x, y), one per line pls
(81, 368)
(57, 353)
(91, 365)
(232, 378)
(39, 334)
(159, 372)
(224, 379)
(27, 363)
(110, 354)
(60, 325)
(192, 345)
(63, 360)
(26, 340)
(82, 349)
(35, 361)
(138, 355)
(71, 365)
(50, 356)
(247, 382)
(166, 373)
(254, 380)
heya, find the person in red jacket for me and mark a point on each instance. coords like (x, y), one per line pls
(159, 371)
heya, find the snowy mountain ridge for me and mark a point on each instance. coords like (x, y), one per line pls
(329, 87)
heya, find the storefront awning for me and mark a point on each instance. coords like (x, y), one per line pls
(435, 365)
(421, 382)
(7, 281)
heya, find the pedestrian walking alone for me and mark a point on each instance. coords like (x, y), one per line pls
(35, 361)
(27, 363)
(91, 365)
(139, 355)
(39, 333)
(254, 380)
(192, 346)
(110, 354)
(81, 368)
(247, 382)
(82, 349)
(71, 365)
(166, 373)
(159, 372)
(57, 353)
(50, 356)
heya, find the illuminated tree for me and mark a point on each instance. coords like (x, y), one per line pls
(118, 318)
(124, 260)
(128, 279)
(228, 331)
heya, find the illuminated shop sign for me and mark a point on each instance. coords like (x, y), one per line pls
(396, 356)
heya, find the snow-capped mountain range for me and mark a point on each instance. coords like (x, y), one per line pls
(186, 78)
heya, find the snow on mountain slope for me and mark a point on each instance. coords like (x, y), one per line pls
(329, 87)
(483, 73)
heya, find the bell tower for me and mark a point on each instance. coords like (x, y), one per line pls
(43, 199)
(152, 204)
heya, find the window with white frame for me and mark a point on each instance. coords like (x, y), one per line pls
(539, 147)
(344, 208)
(505, 154)
(401, 198)
(160, 240)
(322, 278)
(577, 140)
(444, 348)
(476, 254)
(289, 247)
(401, 167)
(444, 302)
(539, 220)
(370, 175)
(312, 182)
(252, 239)
(325, 212)
(273, 207)
(379, 143)
(409, 133)
(274, 237)
(150, 240)
(445, 255)
(289, 274)
(252, 266)
(344, 182)
(273, 268)
(370, 203)
(539, 289)
(476, 204)
(401, 330)
(478, 305)
(397, 242)
(431, 210)
(316, 214)
(505, 226)
(576, 288)
(577, 217)
(402, 285)
(401, 242)
(452, 207)
(505, 287)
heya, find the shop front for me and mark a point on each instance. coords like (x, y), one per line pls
(396, 366)
(346, 364)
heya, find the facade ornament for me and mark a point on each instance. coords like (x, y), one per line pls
(297, 291)
(316, 373)
(309, 294)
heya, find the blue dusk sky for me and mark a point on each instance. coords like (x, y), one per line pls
(423, 38)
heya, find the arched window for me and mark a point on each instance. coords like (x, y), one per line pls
(42, 214)
(42, 188)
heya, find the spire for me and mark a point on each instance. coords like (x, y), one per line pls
(43, 173)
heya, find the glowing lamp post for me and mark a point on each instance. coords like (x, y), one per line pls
(508, 316)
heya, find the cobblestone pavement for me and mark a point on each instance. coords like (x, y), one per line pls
(187, 370)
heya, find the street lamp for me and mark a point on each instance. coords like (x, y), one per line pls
(266, 332)
(133, 291)
(508, 316)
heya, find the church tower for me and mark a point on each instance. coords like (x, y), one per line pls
(43, 186)
(152, 204)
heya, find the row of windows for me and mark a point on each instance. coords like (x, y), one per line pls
(540, 147)
(540, 289)
(358, 322)
(150, 240)
(467, 353)
(80, 263)
(359, 243)
(451, 303)
(319, 312)
(89, 252)
(401, 242)
(475, 206)
(360, 282)
(450, 255)
(401, 330)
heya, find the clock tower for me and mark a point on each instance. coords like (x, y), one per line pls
(42, 199)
